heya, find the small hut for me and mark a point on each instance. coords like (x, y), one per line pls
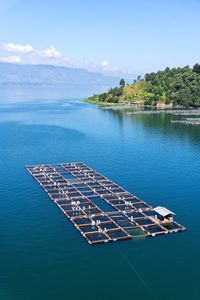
(163, 214)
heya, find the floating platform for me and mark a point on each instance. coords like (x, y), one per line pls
(101, 210)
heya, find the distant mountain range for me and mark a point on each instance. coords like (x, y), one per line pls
(44, 75)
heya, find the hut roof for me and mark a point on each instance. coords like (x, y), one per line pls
(164, 212)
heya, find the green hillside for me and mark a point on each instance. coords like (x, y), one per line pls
(173, 87)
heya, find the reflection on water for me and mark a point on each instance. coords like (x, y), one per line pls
(159, 124)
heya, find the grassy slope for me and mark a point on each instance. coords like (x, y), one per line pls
(131, 93)
(134, 92)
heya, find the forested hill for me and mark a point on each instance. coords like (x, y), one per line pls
(176, 86)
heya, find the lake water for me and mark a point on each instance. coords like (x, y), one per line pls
(42, 255)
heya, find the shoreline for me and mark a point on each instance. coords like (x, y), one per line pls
(153, 107)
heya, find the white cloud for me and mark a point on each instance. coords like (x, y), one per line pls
(50, 55)
(104, 63)
(11, 47)
(109, 69)
(50, 52)
(11, 59)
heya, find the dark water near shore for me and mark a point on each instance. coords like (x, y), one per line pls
(42, 256)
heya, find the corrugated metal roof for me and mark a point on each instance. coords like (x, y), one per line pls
(163, 211)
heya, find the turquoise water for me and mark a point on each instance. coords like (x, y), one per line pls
(42, 255)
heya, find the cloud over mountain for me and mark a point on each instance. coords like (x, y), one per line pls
(27, 54)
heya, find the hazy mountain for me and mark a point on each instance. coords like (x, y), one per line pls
(16, 74)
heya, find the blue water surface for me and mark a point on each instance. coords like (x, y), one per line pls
(42, 256)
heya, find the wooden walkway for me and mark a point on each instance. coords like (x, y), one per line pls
(101, 210)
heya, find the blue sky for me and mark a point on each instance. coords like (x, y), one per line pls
(113, 37)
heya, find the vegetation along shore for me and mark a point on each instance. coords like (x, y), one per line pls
(176, 87)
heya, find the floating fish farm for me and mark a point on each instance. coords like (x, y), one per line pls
(101, 210)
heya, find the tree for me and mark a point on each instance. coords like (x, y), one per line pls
(196, 68)
(122, 83)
